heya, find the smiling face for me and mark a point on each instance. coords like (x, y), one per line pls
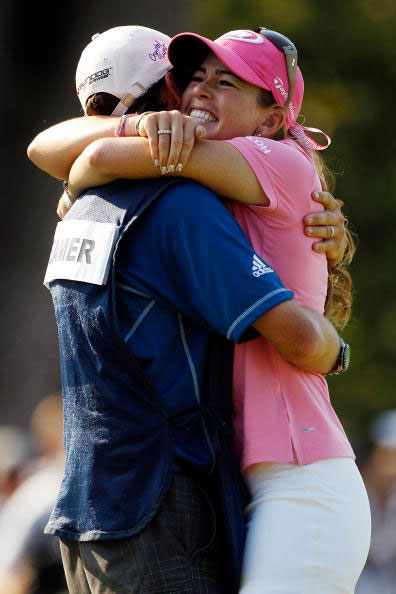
(227, 106)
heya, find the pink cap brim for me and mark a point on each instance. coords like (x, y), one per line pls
(185, 47)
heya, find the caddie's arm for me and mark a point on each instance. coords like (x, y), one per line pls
(54, 150)
(301, 335)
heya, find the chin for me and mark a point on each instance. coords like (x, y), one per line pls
(212, 134)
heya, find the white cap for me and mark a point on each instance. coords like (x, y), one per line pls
(123, 61)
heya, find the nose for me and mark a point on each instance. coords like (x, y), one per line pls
(203, 89)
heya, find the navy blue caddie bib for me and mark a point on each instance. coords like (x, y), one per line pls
(118, 434)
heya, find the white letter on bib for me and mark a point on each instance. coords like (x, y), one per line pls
(81, 251)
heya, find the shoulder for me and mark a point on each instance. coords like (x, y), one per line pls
(185, 187)
(189, 202)
(268, 148)
(295, 151)
(275, 157)
(188, 214)
(281, 167)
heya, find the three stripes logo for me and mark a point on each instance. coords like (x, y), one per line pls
(259, 267)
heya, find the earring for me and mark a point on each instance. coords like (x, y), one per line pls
(258, 133)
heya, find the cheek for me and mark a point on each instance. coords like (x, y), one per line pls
(240, 108)
(183, 104)
(239, 117)
(186, 98)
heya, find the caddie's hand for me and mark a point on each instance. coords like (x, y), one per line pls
(64, 205)
(171, 137)
(329, 226)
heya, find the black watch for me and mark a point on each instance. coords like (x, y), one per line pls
(343, 359)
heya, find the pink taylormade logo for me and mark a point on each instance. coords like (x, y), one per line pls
(243, 35)
(278, 83)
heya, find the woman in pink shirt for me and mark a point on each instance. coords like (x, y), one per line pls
(309, 526)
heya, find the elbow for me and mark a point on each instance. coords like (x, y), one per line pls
(31, 151)
(35, 154)
(96, 156)
(43, 159)
(308, 348)
(313, 349)
(301, 335)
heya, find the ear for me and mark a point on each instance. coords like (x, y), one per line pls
(173, 93)
(274, 119)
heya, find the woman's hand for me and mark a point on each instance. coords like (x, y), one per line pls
(329, 226)
(171, 137)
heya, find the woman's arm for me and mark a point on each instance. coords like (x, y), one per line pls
(328, 225)
(216, 164)
(54, 150)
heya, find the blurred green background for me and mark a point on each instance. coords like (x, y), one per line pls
(348, 59)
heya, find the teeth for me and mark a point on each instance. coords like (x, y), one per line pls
(202, 116)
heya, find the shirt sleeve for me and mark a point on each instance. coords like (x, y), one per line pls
(190, 254)
(284, 170)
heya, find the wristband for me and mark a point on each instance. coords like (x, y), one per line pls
(120, 128)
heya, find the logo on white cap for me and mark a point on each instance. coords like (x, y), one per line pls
(93, 78)
(243, 35)
(160, 51)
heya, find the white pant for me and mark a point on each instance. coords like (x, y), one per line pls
(309, 528)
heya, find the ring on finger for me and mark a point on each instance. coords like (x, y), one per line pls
(163, 131)
(332, 231)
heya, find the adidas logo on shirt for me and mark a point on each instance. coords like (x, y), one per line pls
(259, 267)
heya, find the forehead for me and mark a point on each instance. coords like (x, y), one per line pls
(213, 64)
(212, 61)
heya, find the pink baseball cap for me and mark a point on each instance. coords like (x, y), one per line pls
(249, 55)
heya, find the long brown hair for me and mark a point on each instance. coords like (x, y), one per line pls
(338, 305)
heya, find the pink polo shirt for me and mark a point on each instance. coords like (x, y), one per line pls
(283, 413)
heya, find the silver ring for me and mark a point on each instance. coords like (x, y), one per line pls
(332, 232)
(164, 132)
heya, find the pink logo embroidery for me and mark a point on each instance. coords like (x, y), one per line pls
(244, 35)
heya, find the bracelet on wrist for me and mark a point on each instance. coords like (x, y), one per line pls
(119, 129)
